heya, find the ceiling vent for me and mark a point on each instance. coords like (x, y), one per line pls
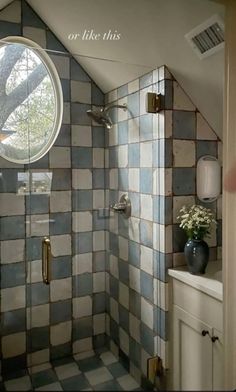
(207, 38)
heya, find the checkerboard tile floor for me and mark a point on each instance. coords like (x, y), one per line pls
(90, 372)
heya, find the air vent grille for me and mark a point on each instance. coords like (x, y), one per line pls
(207, 38)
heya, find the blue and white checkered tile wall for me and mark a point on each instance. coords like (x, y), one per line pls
(38, 322)
(153, 158)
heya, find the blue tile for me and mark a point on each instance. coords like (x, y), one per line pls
(114, 288)
(37, 204)
(15, 365)
(108, 386)
(8, 28)
(99, 342)
(97, 95)
(124, 272)
(135, 352)
(82, 285)
(79, 113)
(82, 200)
(113, 244)
(37, 294)
(160, 322)
(135, 303)
(34, 248)
(123, 179)
(12, 227)
(98, 136)
(133, 105)
(124, 318)
(99, 304)
(135, 203)
(60, 223)
(45, 377)
(114, 331)
(184, 124)
(134, 253)
(184, 181)
(146, 127)
(61, 179)
(117, 370)
(42, 163)
(64, 137)
(113, 113)
(14, 321)
(161, 263)
(82, 242)
(146, 180)
(145, 80)
(61, 267)
(60, 311)
(162, 209)
(88, 364)
(122, 91)
(147, 339)
(168, 95)
(146, 233)
(134, 155)
(77, 72)
(146, 284)
(113, 157)
(65, 84)
(53, 43)
(60, 351)
(123, 226)
(82, 328)
(99, 222)
(37, 339)
(206, 148)
(124, 360)
(30, 18)
(98, 178)
(82, 157)
(12, 275)
(123, 132)
(9, 180)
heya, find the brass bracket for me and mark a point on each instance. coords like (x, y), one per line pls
(153, 102)
(154, 368)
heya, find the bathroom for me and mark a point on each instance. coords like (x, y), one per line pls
(88, 285)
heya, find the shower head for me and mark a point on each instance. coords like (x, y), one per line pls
(101, 116)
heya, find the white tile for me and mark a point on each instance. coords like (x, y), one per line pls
(13, 345)
(127, 382)
(61, 245)
(98, 282)
(134, 180)
(18, 384)
(146, 259)
(161, 348)
(82, 264)
(146, 154)
(62, 64)
(12, 298)
(38, 316)
(82, 221)
(83, 348)
(146, 207)
(67, 371)
(12, 13)
(134, 325)
(34, 274)
(122, 156)
(179, 202)
(124, 341)
(60, 201)
(39, 368)
(11, 204)
(135, 373)
(134, 278)
(181, 101)
(35, 34)
(38, 357)
(82, 179)
(123, 248)
(60, 289)
(113, 176)
(99, 324)
(55, 386)
(133, 127)
(114, 270)
(161, 293)
(204, 131)
(81, 135)
(37, 225)
(155, 75)
(60, 333)
(98, 376)
(59, 157)
(133, 86)
(159, 238)
(80, 91)
(12, 251)
(98, 240)
(184, 153)
(112, 96)
(108, 358)
(113, 135)
(161, 71)
(82, 306)
(124, 295)
(122, 113)
(98, 198)
(98, 158)
(146, 313)
(134, 231)
(114, 310)
(113, 222)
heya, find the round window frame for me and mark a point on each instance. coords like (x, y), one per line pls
(57, 87)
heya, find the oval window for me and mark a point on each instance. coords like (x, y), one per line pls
(31, 101)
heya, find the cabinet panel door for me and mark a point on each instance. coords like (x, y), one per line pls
(192, 367)
(218, 367)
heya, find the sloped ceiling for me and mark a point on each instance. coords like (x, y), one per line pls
(152, 34)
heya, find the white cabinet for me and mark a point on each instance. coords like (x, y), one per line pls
(197, 348)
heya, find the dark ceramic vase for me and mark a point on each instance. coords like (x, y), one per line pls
(197, 256)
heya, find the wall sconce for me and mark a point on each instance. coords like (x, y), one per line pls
(208, 178)
(153, 102)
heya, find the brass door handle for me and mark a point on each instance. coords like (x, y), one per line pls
(46, 259)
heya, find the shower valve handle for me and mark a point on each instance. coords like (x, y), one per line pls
(119, 206)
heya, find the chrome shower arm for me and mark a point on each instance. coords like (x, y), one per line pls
(124, 107)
